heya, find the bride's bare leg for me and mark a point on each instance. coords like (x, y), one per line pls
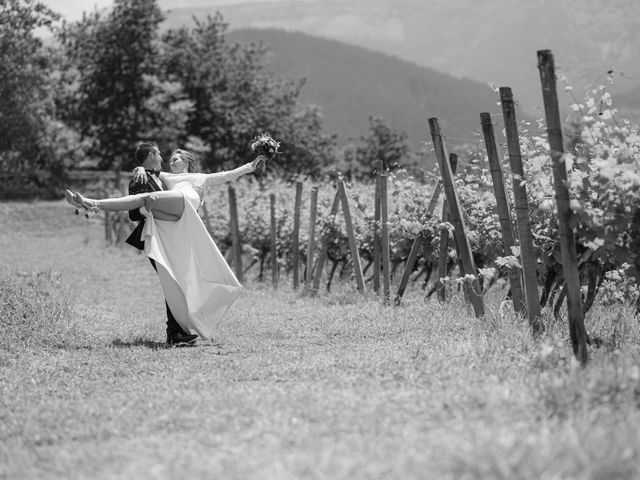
(165, 205)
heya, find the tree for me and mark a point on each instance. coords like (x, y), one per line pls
(26, 106)
(236, 98)
(116, 77)
(385, 148)
(306, 149)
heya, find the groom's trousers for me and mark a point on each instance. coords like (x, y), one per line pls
(173, 327)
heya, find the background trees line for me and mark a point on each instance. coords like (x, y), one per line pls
(94, 88)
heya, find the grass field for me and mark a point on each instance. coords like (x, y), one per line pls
(333, 387)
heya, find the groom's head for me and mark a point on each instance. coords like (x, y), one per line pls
(148, 156)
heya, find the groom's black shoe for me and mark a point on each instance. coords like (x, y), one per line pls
(181, 340)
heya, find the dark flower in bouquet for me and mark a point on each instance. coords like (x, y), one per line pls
(266, 147)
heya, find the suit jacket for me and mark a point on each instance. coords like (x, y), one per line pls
(135, 239)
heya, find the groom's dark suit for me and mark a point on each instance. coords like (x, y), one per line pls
(135, 239)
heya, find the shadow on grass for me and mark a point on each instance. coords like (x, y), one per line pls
(70, 346)
(142, 342)
(139, 342)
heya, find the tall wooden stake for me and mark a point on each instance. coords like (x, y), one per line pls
(408, 268)
(384, 220)
(355, 256)
(475, 293)
(312, 236)
(527, 255)
(577, 329)
(274, 241)
(295, 241)
(434, 198)
(235, 233)
(377, 240)
(443, 254)
(504, 211)
(324, 246)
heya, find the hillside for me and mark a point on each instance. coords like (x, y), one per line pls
(351, 83)
(493, 41)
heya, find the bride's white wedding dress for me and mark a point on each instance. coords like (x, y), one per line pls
(197, 282)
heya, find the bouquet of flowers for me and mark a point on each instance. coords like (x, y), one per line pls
(265, 147)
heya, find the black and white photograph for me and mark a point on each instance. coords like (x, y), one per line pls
(319, 239)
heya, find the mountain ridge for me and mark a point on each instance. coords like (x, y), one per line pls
(351, 83)
(494, 41)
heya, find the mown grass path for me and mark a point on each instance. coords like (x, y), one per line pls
(335, 387)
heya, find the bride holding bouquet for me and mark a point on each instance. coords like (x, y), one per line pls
(198, 284)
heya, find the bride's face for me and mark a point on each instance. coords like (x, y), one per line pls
(177, 164)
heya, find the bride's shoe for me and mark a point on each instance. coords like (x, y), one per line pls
(79, 202)
(91, 206)
(70, 197)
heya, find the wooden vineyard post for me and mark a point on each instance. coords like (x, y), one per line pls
(434, 199)
(443, 254)
(205, 218)
(415, 248)
(324, 246)
(577, 329)
(475, 294)
(527, 254)
(274, 241)
(312, 234)
(235, 233)
(504, 212)
(108, 231)
(408, 268)
(355, 256)
(122, 217)
(377, 240)
(295, 241)
(384, 245)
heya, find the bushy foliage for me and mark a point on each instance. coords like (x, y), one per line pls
(115, 96)
(27, 106)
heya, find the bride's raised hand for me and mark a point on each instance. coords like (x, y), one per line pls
(259, 165)
(139, 175)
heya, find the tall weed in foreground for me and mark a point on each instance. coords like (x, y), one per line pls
(34, 312)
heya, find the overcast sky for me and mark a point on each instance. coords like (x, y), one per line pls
(72, 9)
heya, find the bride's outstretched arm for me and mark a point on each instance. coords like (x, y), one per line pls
(208, 179)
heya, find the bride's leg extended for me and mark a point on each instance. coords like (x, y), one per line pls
(166, 205)
(118, 204)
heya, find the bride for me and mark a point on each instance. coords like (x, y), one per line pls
(198, 284)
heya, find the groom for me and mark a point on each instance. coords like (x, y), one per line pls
(148, 155)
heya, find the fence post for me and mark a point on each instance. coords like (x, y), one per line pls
(296, 236)
(464, 249)
(443, 254)
(122, 217)
(504, 212)
(355, 256)
(527, 254)
(235, 233)
(274, 241)
(312, 233)
(408, 268)
(377, 240)
(324, 245)
(434, 198)
(577, 329)
(205, 218)
(108, 231)
(384, 220)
